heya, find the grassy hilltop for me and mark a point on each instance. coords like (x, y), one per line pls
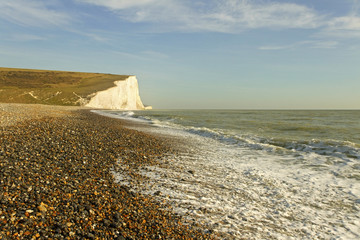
(52, 87)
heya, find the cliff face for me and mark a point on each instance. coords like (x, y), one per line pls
(125, 96)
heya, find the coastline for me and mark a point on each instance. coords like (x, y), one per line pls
(281, 175)
(56, 179)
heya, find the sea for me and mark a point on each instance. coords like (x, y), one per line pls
(258, 174)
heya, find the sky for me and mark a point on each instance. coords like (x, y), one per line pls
(202, 54)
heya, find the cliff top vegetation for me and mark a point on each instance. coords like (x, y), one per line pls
(52, 87)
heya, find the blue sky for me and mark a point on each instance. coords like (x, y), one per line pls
(242, 54)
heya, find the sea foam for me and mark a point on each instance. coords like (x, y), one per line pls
(245, 185)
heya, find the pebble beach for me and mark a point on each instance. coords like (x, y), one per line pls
(56, 180)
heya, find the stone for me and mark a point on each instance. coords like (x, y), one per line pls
(42, 207)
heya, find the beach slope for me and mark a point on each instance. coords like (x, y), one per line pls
(56, 181)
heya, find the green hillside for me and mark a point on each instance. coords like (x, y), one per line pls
(52, 87)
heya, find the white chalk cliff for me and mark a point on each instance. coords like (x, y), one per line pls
(124, 96)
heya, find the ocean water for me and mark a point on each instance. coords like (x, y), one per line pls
(259, 174)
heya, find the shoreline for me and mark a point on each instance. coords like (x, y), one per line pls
(233, 178)
(56, 180)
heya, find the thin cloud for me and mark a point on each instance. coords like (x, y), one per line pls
(272, 48)
(31, 13)
(129, 55)
(307, 44)
(250, 14)
(155, 54)
(99, 37)
(231, 16)
(324, 44)
(218, 16)
(345, 23)
(342, 27)
(143, 56)
(117, 5)
(25, 37)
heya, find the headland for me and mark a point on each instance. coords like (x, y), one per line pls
(95, 90)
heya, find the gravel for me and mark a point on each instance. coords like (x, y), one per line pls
(56, 181)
